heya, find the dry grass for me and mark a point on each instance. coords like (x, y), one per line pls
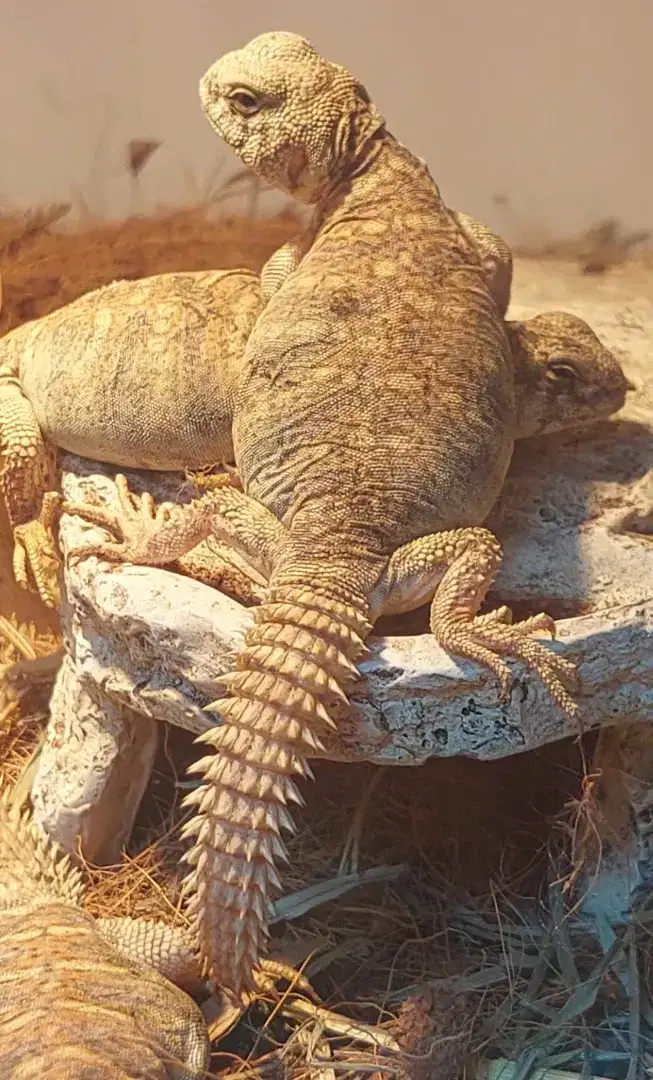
(472, 951)
(597, 250)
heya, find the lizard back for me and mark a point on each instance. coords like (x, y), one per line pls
(71, 1006)
(141, 373)
(74, 1006)
(379, 374)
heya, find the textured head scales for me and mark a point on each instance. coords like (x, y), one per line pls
(571, 378)
(288, 113)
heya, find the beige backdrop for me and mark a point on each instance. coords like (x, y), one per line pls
(548, 105)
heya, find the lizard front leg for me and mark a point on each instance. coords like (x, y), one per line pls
(282, 263)
(495, 256)
(457, 568)
(155, 537)
(28, 472)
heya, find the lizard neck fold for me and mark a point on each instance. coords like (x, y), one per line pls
(383, 165)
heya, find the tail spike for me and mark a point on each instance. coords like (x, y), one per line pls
(296, 661)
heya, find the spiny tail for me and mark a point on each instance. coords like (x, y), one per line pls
(297, 658)
(33, 867)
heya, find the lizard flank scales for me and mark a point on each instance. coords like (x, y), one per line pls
(83, 997)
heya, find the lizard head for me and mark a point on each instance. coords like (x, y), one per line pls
(564, 376)
(294, 118)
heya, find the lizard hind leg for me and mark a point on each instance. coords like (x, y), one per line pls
(296, 660)
(467, 561)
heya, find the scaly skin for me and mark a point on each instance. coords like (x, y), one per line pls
(140, 412)
(139, 373)
(81, 997)
(373, 426)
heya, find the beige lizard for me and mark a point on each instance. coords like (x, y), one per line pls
(143, 374)
(83, 997)
(374, 422)
(102, 377)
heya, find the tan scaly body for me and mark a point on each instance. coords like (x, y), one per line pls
(85, 998)
(138, 373)
(143, 374)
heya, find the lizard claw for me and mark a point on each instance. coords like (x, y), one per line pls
(270, 972)
(487, 640)
(36, 562)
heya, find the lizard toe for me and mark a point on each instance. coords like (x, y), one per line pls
(35, 561)
(112, 552)
(95, 515)
(487, 638)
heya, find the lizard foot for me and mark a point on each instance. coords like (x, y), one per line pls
(136, 524)
(458, 567)
(487, 641)
(157, 537)
(269, 972)
(35, 560)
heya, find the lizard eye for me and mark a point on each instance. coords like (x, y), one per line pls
(562, 369)
(245, 101)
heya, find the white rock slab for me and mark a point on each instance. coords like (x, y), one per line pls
(156, 641)
(93, 768)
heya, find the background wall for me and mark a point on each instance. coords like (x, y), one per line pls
(547, 106)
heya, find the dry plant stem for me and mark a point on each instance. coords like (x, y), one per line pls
(351, 849)
(613, 854)
(13, 635)
(338, 1025)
